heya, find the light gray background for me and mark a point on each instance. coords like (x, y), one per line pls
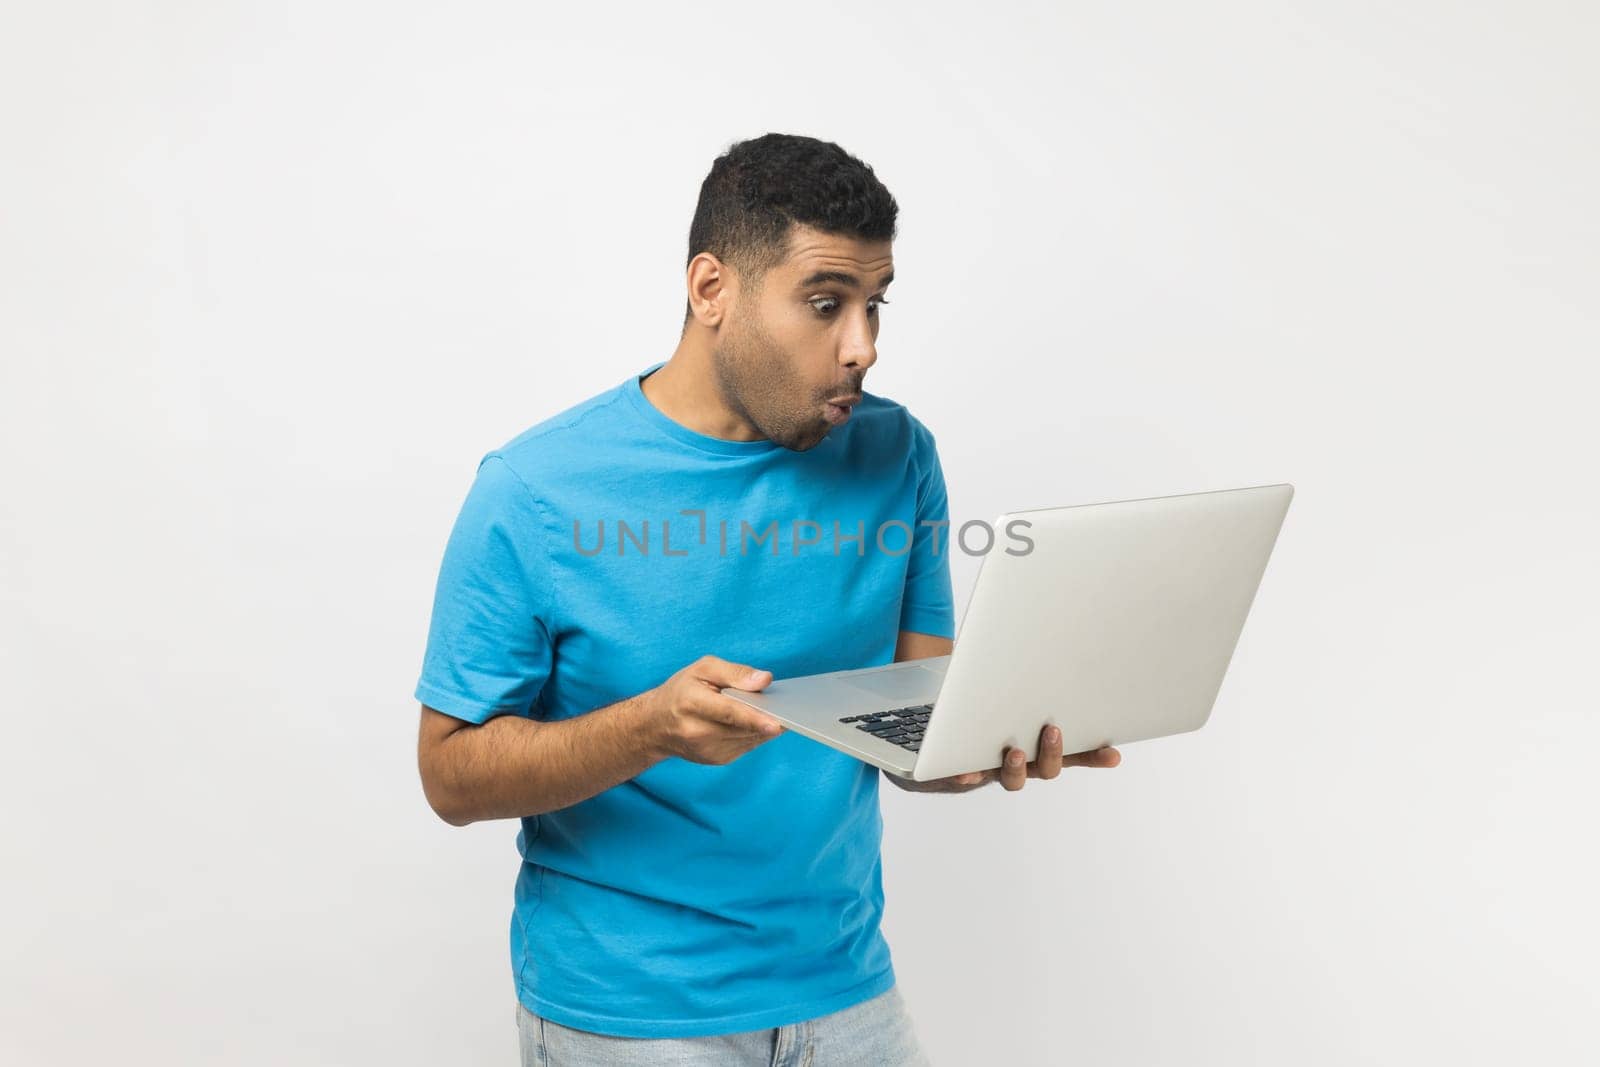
(274, 276)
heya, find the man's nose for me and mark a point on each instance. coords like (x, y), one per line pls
(858, 349)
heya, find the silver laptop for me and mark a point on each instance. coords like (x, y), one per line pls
(1116, 626)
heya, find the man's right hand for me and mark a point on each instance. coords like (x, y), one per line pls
(691, 719)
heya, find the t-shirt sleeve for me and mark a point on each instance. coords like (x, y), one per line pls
(928, 606)
(489, 639)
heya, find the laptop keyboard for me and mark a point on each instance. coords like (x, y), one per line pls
(902, 726)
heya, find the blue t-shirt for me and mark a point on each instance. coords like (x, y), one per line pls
(692, 899)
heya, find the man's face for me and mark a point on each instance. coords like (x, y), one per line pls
(805, 337)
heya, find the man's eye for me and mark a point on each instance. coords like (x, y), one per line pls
(825, 306)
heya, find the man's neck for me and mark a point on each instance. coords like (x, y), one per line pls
(685, 391)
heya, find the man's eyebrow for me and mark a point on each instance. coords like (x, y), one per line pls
(839, 277)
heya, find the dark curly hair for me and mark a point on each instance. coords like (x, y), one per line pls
(757, 188)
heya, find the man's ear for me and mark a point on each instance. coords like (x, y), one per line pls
(712, 290)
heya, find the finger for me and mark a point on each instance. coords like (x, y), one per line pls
(1048, 763)
(735, 716)
(1013, 771)
(721, 672)
(1097, 757)
(733, 748)
(958, 783)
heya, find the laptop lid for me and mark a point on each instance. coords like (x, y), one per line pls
(1116, 625)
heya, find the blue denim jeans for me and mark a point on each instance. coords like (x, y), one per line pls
(876, 1031)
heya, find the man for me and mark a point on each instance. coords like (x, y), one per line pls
(697, 884)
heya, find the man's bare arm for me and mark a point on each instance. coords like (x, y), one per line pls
(511, 766)
(507, 767)
(912, 645)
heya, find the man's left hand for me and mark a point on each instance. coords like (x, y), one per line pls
(1012, 773)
